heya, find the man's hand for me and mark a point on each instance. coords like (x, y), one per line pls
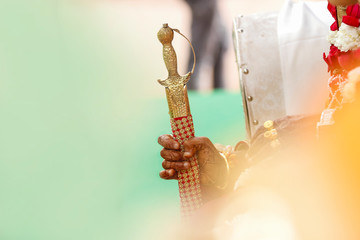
(173, 157)
(213, 168)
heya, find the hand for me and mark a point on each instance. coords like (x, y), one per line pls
(213, 167)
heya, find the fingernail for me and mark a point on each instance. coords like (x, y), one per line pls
(176, 145)
(170, 172)
(187, 154)
(186, 165)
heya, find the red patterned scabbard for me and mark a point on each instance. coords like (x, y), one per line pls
(189, 181)
(181, 121)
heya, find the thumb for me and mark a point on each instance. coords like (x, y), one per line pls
(191, 146)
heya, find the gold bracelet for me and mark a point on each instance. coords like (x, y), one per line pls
(226, 182)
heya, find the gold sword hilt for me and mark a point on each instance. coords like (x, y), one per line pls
(175, 84)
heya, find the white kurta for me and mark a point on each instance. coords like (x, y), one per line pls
(302, 31)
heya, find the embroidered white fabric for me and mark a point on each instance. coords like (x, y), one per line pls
(258, 59)
(280, 62)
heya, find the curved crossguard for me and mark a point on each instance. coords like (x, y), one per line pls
(175, 84)
(181, 121)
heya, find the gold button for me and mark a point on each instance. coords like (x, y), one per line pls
(267, 134)
(249, 98)
(255, 122)
(269, 124)
(245, 71)
(273, 133)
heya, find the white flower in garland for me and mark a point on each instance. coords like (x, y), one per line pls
(347, 38)
(332, 37)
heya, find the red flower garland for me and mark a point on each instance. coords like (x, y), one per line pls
(332, 10)
(336, 59)
(352, 16)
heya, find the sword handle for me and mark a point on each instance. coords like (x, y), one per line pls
(166, 36)
(181, 120)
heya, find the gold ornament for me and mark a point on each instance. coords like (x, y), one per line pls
(271, 134)
(175, 84)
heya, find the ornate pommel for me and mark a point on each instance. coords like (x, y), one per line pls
(175, 84)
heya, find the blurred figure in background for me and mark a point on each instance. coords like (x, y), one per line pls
(209, 38)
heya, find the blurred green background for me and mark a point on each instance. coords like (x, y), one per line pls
(80, 113)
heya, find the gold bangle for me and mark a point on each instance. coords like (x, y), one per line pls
(226, 182)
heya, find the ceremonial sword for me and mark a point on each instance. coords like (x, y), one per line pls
(181, 120)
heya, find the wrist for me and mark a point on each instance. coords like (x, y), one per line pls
(235, 162)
